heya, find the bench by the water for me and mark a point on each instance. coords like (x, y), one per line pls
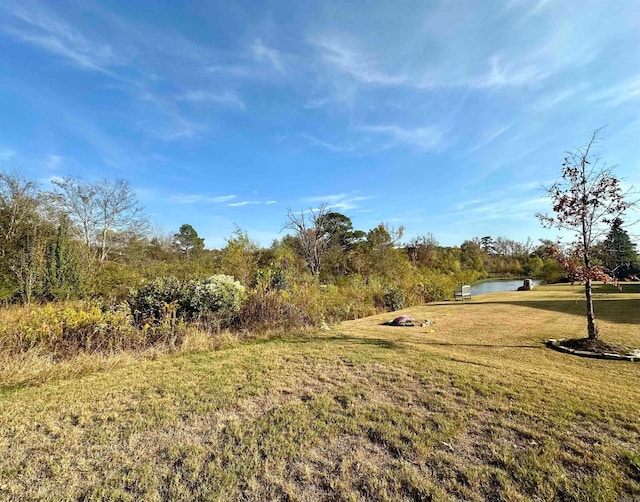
(462, 293)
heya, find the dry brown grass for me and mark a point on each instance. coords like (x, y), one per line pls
(39, 365)
(471, 408)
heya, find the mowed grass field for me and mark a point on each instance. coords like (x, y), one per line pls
(473, 407)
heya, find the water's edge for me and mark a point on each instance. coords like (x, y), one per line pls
(498, 286)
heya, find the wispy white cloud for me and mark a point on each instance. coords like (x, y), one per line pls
(174, 130)
(221, 198)
(333, 147)
(618, 94)
(53, 161)
(6, 154)
(521, 202)
(530, 9)
(495, 208)
(41, 28)
(269, 202)
(502, 74)
(427, 138)
(172, 123)
(186, 198)
(244, 203)
(342, 201)
(358, 65)
(257, 61)
(488, 138)
(549, 100)
(232, 70)
(316, 102)
(263, 53)
(226, 98)
(193, 198)
(139, 59)
(456, 52)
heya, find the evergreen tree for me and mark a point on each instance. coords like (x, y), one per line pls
(618, 250)
(63, 279)
(187, 240)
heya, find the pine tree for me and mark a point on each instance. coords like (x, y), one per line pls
(618, 250)
(187, 241)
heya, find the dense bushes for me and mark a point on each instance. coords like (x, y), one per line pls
(552, 271)
(308, 303)
(394, 298)
(433, 287)
(273, 309)
(279, 298)
(160, 311)
(155, 314)
(218, 295)
(69, 327)
(149, 302)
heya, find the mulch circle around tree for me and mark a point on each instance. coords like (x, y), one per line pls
(598, 349)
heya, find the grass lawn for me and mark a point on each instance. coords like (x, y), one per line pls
(473, 407)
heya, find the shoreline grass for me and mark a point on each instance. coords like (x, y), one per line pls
(473, 407)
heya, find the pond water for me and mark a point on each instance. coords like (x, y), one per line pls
(481, 288)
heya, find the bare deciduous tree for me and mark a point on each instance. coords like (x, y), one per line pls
(585, 202)
(23, 235)
(100, 211)
(313, 236)
(18, 205)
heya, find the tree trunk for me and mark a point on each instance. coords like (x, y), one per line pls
(103, 247)
(592, 329)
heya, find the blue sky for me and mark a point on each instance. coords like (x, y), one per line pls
(442, 116)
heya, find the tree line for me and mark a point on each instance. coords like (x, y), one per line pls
(85, 239)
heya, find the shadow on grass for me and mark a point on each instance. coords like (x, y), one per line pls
(622, 288)
(484, 345)
(377, 342)
(614, 309)
(390, 344)
(623, 311)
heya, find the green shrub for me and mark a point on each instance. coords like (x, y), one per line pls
(270, 278)
(552, 271)
(351, 299)
(394, 298)
(113, 281)
(433, 288)
(149, 302)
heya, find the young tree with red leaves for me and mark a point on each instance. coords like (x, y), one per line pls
(585, 202)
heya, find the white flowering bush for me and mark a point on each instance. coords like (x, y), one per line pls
(219, 294)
